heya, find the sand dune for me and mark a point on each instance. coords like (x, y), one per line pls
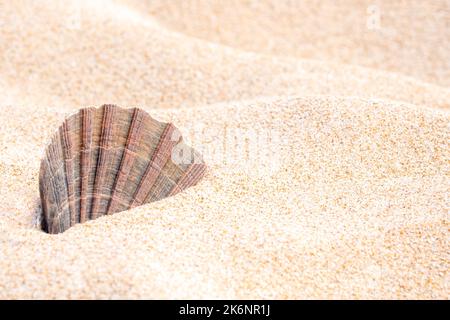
(133, 60)
(345, 194)
(408, 37)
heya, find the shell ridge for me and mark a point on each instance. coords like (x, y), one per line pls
(69, 170)
(103, 157)
(59, 185)
(46, 206)
(128, 159)
(199, 172)
(159, 157)
(85, 161)
(190, 177)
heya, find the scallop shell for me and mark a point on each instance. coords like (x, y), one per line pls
(108, 159)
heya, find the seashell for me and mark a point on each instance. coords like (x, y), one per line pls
(105, 160)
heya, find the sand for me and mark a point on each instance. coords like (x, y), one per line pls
(340, 188)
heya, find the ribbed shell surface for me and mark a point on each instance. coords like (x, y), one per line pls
(108, 159)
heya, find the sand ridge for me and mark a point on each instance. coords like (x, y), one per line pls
(407, 37)
(122, 50)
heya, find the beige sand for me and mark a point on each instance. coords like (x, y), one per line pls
(347, 196)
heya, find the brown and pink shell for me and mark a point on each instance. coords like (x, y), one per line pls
(109, 159)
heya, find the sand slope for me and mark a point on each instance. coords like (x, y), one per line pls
(345, 194)
(408, 37)
(132, 60)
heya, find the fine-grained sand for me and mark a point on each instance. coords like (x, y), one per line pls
(345, 196)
